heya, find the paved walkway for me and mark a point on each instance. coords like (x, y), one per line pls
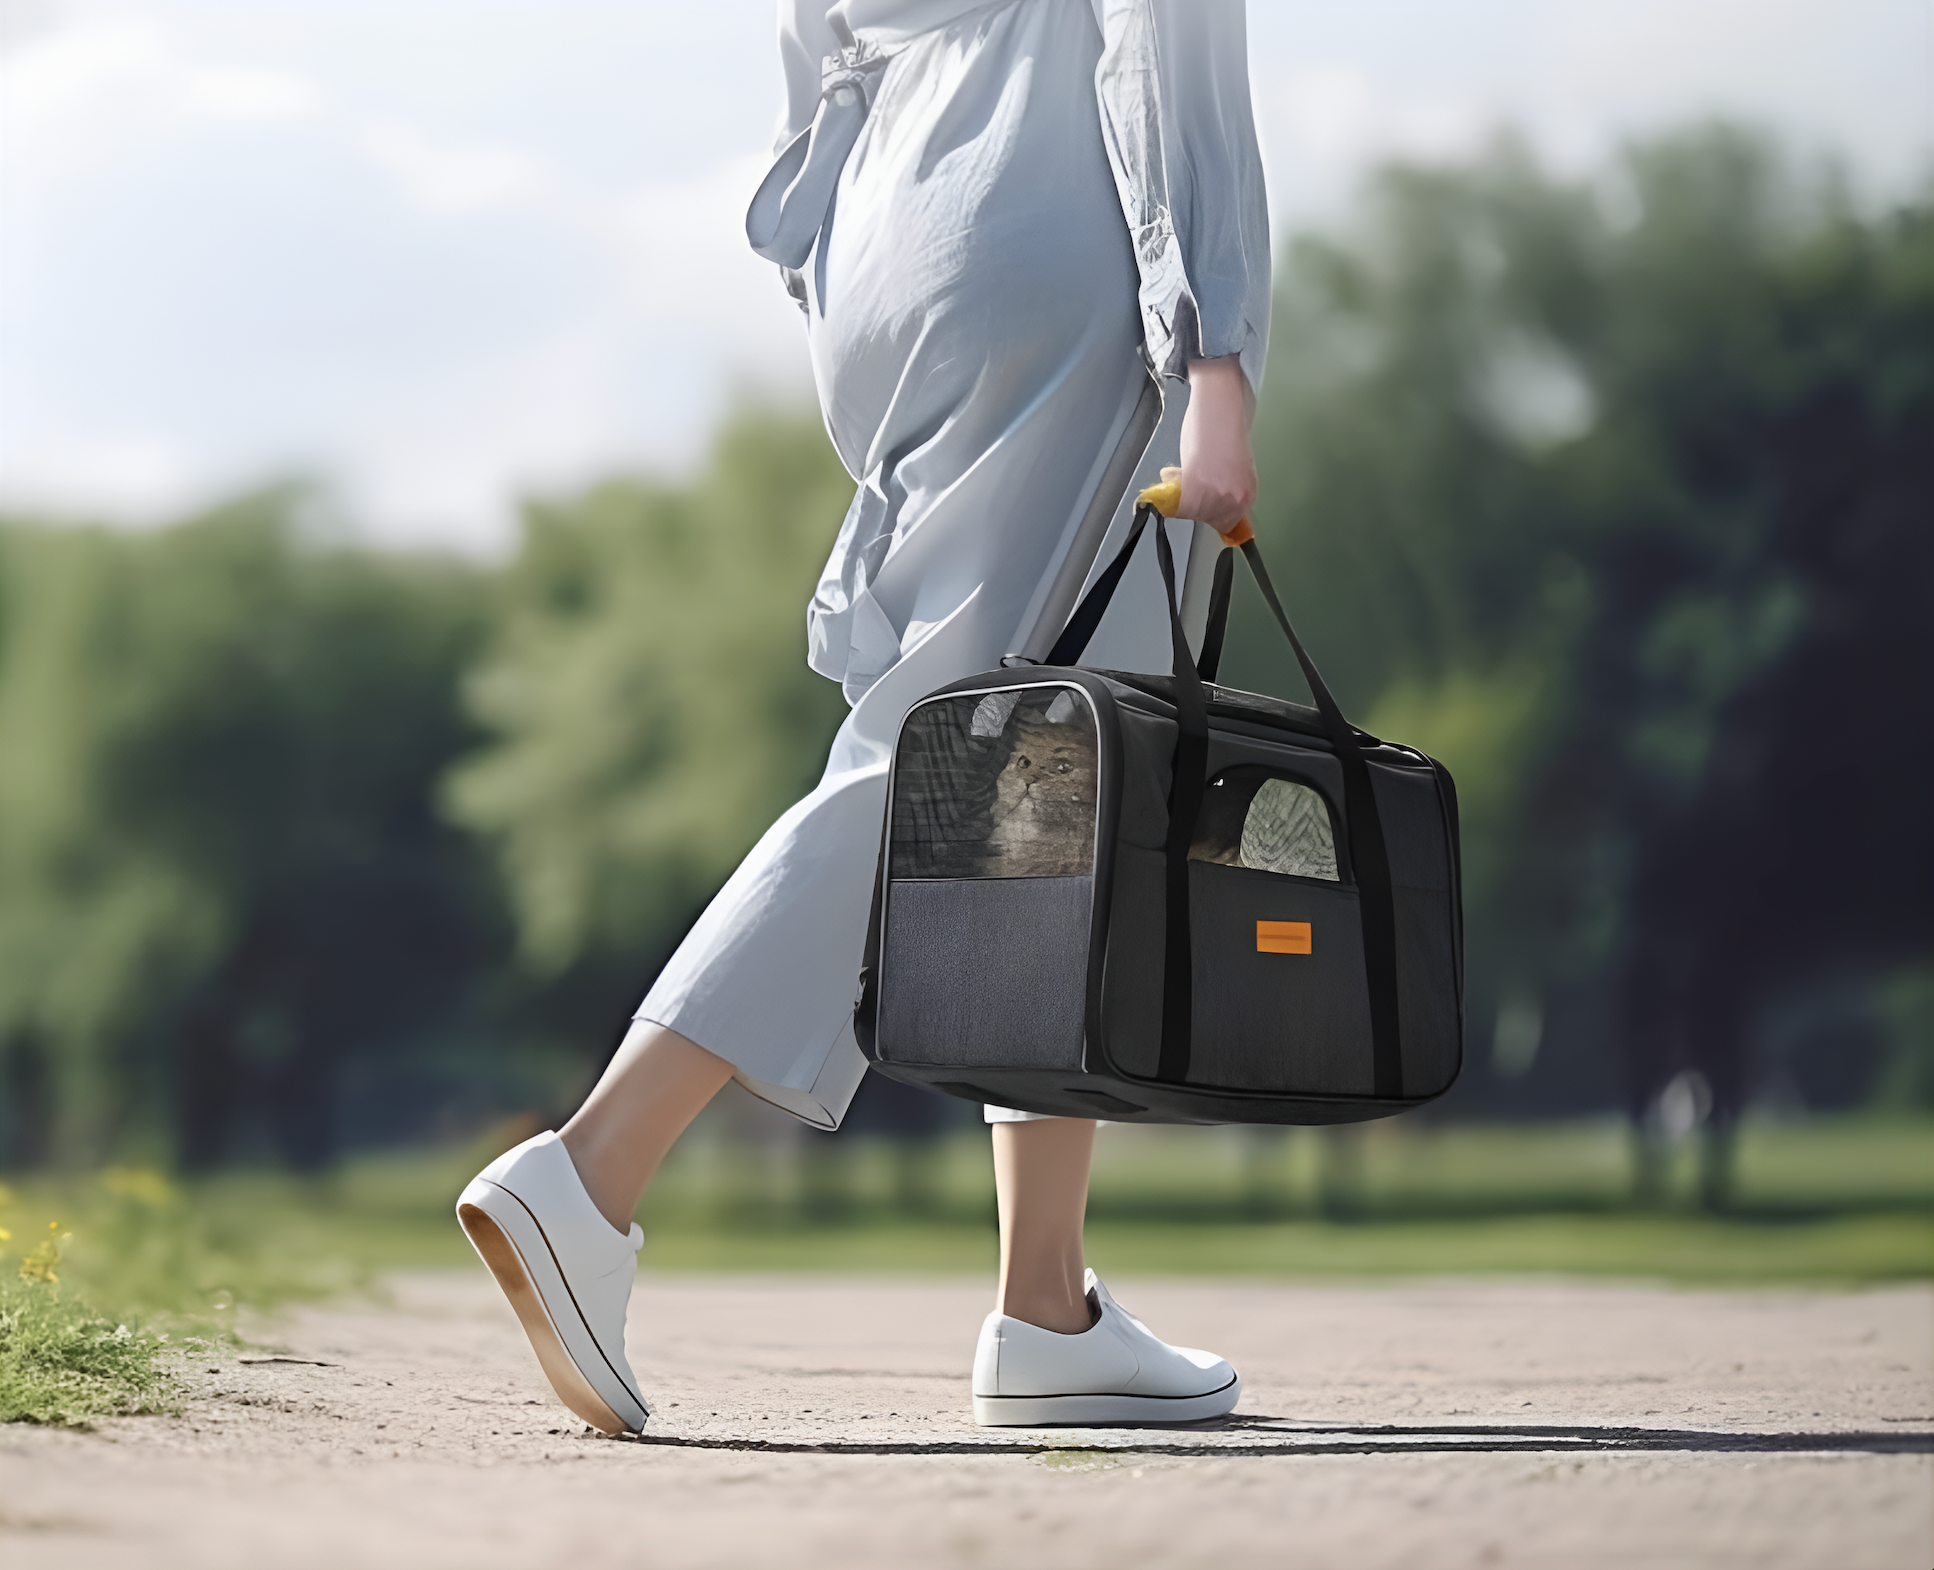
(824, 1422)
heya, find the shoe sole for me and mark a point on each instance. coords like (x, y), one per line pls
(513, 1248)
(1103, 1411)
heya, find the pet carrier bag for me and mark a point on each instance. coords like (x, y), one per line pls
(1159, 900)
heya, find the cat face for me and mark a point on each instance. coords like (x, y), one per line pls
(1044, 802)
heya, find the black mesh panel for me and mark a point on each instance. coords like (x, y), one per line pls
(996, 785)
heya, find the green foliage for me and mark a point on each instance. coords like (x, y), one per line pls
(1614, 491)
(222, 876)
(251, 785)
(647, 694)
(1908, 1079)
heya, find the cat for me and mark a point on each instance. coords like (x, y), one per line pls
(1043, 818)
(1267, 823)
(1287, 830)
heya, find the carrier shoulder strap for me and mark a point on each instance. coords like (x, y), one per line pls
(1369, 858)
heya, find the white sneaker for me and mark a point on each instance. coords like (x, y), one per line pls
(567, 1272)
(1113, 1373)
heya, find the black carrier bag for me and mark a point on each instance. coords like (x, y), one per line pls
(1158, 900)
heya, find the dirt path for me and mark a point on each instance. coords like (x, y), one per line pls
(808, 1422)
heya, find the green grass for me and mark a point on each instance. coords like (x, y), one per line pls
(106, 1279)
(1683, 1249)
(1686, 1250)
(1847, 1200)
(60, 1361)
(1830, 1201)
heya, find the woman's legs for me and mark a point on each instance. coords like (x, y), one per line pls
(647, 1096)
(1041, 1184)
(658, 1081)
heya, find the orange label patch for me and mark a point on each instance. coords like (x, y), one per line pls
(1282, 937)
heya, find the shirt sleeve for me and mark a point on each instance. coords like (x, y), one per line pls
(1173, 89)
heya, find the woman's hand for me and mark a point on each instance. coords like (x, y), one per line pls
(1218, 469)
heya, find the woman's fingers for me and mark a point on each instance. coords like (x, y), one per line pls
(1218, 481)
(1220, 504)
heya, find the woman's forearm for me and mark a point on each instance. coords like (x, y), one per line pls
(1218, 467)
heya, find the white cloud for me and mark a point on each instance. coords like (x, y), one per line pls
(139, 477)
(448, 249)
(408, 295)
(1341, 116)
(113, 70)
(449, 177)
(61, 76)
(230, 94)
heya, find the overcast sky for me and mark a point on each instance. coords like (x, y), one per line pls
(438, 252)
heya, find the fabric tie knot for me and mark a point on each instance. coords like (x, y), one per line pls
(789, 208)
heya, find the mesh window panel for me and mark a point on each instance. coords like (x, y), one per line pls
(1253, 817)
(1000, 785)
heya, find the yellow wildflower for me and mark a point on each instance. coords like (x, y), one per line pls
(43, 1259)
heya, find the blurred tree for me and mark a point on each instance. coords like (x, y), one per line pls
(651, 710)
(1615, 494)
(1618, 495)
(223, 877)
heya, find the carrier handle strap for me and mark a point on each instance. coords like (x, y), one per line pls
(1075, 637)
(1210, 660)
(1369, 856)
(1187, 778)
